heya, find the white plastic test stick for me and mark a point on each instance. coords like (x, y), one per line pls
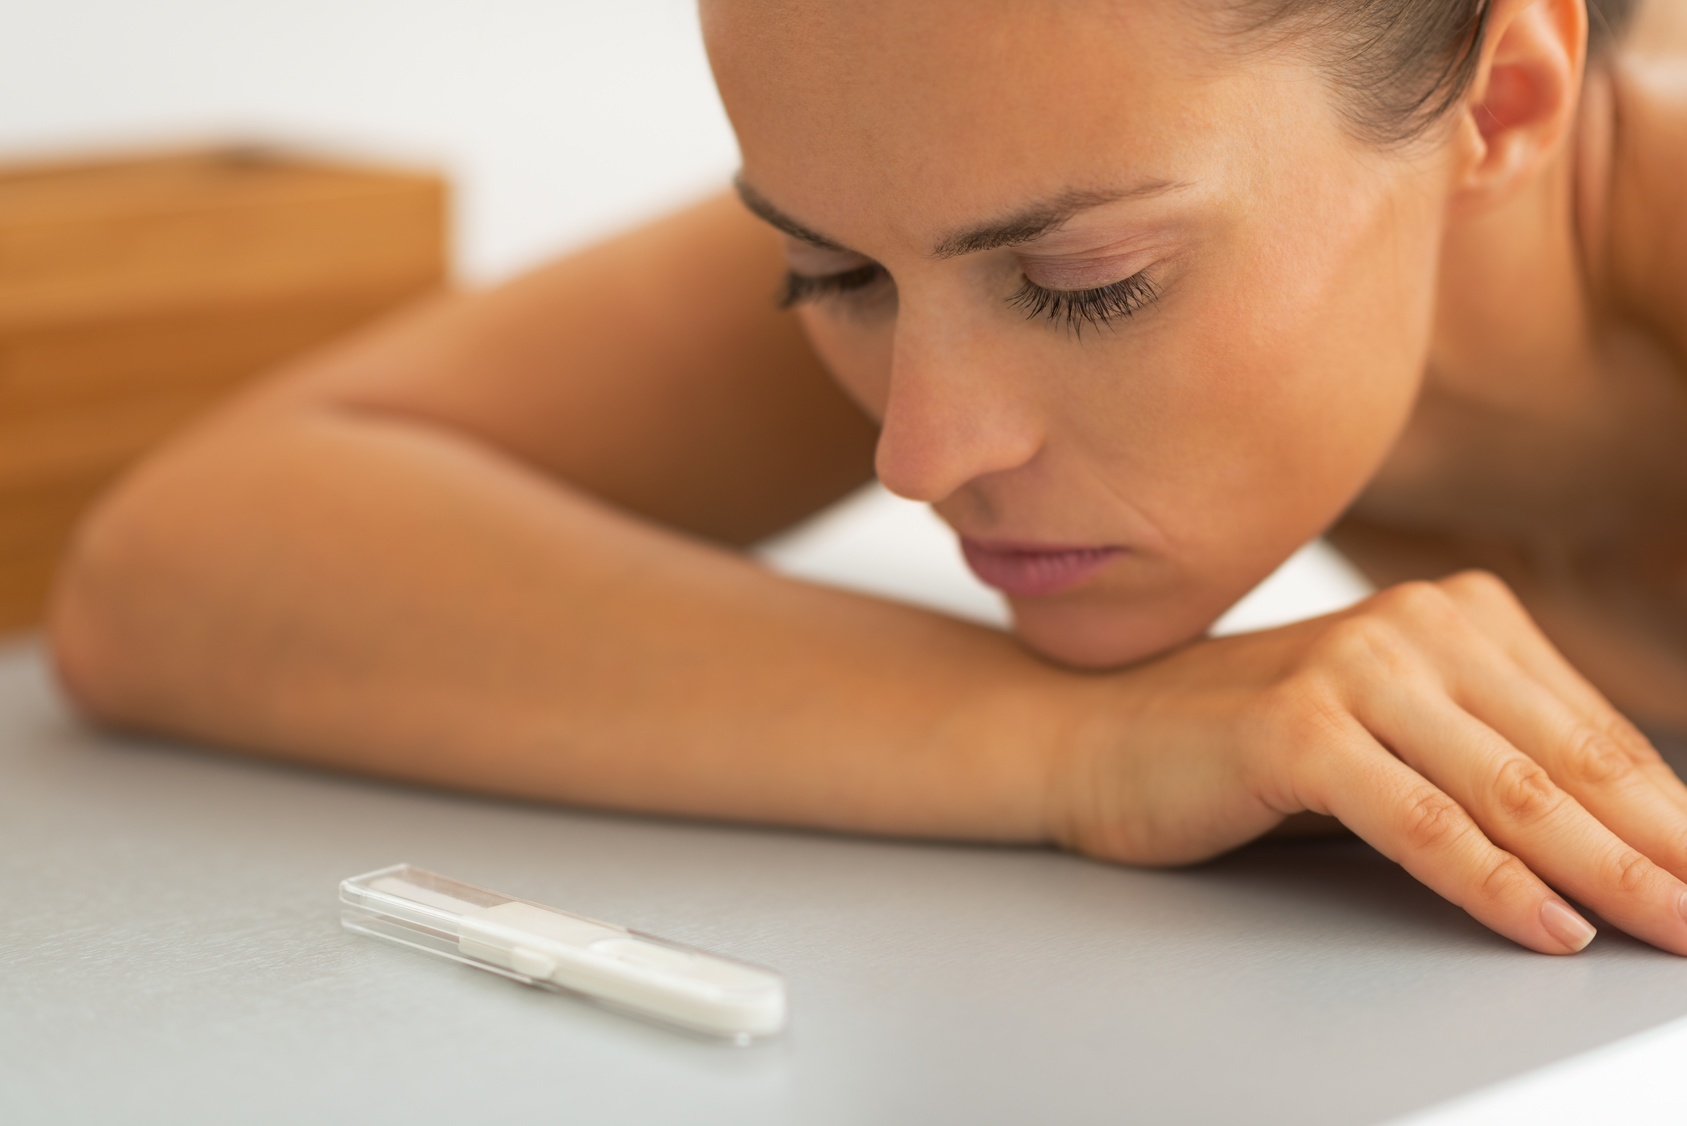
(650, 977)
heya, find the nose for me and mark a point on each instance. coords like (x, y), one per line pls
(951, 415)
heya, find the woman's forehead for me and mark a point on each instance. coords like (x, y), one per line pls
(946, 50)
(972, 107)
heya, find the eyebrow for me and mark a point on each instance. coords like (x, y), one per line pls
(1024, 226)
(767, 213)
(1038, 220)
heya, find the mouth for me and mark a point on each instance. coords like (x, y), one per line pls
(1028, 570)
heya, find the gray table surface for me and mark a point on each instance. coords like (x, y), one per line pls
(170, 952)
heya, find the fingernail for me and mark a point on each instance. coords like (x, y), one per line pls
(1681, 905)
(1570, 928)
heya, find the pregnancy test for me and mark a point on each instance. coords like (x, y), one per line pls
(538, 945)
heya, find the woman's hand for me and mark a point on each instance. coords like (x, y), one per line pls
(1436, 722)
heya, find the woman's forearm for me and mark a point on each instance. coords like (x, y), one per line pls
(373, 593)
(363, 591)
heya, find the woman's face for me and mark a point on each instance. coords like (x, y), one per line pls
(1137, 317)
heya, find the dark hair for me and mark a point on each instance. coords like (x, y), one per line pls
(1399, 66)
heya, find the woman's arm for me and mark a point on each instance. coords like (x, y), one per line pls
(486, 548)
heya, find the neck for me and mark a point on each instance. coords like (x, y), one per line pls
(1593, 159)
(1547, 442)
(1535, 422)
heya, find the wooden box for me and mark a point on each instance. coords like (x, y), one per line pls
(135, 292)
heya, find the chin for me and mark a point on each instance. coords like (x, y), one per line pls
(1097, 635)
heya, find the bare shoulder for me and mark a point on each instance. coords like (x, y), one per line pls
(1660, 27)
(1648, 200)
(652, 370)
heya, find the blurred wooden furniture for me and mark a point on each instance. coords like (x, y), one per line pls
(135, 292)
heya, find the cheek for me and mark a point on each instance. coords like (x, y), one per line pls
(1310, 358)
(1341, 350)
(1244, 421)
(856, 350)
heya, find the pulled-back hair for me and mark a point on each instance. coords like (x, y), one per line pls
(1399, 66)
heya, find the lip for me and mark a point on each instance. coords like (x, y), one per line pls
(1026, 570)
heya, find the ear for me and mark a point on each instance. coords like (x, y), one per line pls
(1522, 102)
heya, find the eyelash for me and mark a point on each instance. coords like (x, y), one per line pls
(801, 289)
(1095, 307)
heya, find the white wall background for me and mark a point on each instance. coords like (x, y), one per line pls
(557, 120)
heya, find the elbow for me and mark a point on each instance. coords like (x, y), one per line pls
(97, 653)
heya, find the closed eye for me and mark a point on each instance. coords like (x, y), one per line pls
(1096, 307)
(803, 289)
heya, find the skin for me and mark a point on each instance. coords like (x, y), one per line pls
(1557, 466)
(1155, 435)
(492, 545)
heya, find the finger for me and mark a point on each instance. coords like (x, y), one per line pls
(1516, 804)
(1496, 611)
(1407, 819)
(1644, 809)
(1489, 604)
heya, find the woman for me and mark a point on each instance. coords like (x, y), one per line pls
(1140, 295)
